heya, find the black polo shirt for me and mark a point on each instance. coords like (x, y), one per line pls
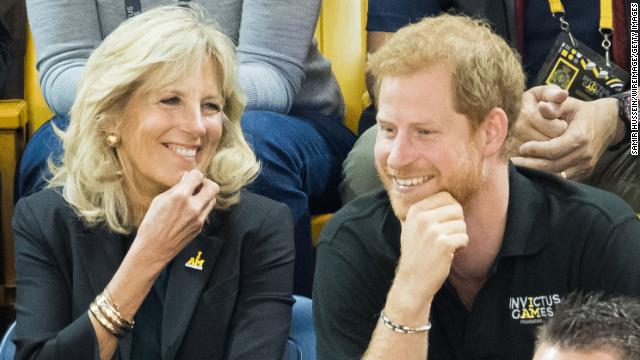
(560, 236)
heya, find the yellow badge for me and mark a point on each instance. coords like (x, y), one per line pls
(195, 262)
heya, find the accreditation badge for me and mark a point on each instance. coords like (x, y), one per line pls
(581, 71)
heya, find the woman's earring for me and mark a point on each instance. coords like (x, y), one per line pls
(113, 140)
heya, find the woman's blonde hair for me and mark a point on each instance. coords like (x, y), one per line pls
(485, 71)
(147, 52)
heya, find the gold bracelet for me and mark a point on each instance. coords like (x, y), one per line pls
(116, 306)
(114, 311)
(107, 294)
(95, 312)
(112, 314)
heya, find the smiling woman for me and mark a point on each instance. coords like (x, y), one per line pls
(168, 132)
(160, 58)
(144, 237)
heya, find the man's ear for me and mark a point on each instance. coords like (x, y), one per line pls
(494, 127)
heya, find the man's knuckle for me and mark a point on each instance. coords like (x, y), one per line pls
(423, 218)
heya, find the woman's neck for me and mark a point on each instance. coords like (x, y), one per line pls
(140, 203)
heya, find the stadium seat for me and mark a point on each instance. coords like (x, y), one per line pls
(341, 37)
(301, 344)
(18, 119)
(7, 347)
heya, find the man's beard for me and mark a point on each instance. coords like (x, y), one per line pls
(467, 178)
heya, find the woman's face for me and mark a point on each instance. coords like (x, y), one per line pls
(169, 131)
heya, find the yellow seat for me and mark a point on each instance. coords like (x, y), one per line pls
(13, 119)
(341, 37)
(19, 118)
(38, 111)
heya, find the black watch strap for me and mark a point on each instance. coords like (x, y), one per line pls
(624, 113)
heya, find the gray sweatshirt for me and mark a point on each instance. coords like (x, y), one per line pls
(279, 62)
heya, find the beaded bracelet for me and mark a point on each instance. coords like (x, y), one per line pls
(402, 329)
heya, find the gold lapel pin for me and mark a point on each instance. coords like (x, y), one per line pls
(195, 262)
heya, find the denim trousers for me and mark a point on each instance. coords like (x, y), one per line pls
(301, 159)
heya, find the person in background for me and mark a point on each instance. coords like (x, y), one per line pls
(462, 254)
(13, 16)
(145, 245)
(294, 111)
(580, 140)
(591, 327)
(5, 44)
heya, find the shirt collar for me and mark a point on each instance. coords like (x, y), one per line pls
(527, 228)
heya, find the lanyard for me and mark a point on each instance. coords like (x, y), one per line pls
(606, 23)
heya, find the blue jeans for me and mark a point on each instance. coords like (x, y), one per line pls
(33, 170)
(301, 159)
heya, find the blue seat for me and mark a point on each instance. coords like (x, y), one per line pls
(301, 344)
(7, 347)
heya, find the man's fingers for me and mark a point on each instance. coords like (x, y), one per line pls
(432, 202)
(550, 149)
(549, 110)
(446, 213)
(554, 166)
(456, 227)
(459, 241)
(526, 129)
(547, 127)
(551, 93)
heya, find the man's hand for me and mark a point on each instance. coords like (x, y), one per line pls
(432, 232)
(538, 118)
(592, 126)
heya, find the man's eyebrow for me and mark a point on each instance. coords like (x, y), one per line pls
(420, 121)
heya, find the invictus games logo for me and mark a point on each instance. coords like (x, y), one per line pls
(533, 309)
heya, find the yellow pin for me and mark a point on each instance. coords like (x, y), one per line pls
(195, 262)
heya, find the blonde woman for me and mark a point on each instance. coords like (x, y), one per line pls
(145, 245)
(294, 110)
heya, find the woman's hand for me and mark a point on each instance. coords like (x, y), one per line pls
(175, 217)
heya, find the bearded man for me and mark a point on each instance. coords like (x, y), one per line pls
(461, 255)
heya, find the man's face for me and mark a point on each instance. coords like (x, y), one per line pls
(547, 351)
(423, 145)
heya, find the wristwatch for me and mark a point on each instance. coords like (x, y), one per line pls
(624, 113)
